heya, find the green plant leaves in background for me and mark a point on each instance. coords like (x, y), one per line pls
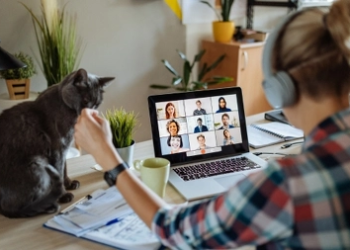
(213, 8)
(122, 125)
(185, 82)
(226, 9)
(21, 73)
(226, 6)
(170, 68)
(59, 46)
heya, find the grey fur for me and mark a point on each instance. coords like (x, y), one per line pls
(34, 139)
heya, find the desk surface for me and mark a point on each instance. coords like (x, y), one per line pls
(30, 233)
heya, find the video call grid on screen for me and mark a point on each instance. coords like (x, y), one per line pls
(179, 120)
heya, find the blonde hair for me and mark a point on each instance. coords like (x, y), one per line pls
(314, 47)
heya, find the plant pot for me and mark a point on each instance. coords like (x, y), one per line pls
(18, 88)
(223, 31)
(127, 153)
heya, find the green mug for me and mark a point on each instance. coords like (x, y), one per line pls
(154, 173)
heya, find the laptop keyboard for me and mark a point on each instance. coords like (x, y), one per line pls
(208, 169)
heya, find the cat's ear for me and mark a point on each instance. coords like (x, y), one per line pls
(105, 81)
(80, 78)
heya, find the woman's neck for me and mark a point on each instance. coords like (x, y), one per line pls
(307, 113)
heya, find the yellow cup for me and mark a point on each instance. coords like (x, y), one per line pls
(154, 173)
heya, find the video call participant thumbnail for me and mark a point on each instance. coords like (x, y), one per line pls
(200, 127)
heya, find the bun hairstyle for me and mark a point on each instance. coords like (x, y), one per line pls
(338, 21)
(314, 48)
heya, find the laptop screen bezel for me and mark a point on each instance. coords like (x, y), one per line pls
(180, 158)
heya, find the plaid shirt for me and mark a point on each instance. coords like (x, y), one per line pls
(300, 202)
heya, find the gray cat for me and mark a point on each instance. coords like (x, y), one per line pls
(34, 139)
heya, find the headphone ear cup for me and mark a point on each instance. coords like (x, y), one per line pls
(279, 90)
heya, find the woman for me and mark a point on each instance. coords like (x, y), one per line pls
(297, 202)
(176, 144)
(222, 106)
(173, 127)
(170, 111)
(228, 139)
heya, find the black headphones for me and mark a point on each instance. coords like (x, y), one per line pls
(279, 87)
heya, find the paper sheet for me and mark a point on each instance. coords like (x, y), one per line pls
(106, 218)
(130, 229)
(98, 211)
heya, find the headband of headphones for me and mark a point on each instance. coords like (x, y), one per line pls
(278, 87)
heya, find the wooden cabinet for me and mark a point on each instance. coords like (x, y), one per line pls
(243, 64)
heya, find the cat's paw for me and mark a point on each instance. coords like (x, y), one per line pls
(67, 197)
(73, 185)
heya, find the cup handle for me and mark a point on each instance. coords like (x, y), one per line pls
(137, 164)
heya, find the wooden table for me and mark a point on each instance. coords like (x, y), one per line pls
(25, 234)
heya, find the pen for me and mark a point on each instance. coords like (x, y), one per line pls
(80, 201)
(114, 221)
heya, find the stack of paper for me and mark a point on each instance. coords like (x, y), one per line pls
(265, 134)
(105, 217)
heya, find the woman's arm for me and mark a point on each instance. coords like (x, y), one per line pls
(209, 224)
(92, 133)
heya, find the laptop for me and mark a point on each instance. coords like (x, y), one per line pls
(204, 136)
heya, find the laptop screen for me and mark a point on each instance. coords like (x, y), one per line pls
(200, 125)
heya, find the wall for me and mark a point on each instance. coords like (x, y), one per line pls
(122, 38)
(265, 19)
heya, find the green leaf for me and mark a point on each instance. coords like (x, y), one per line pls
(213, 8)
(122, 124)
(218, 79)
(222, 78)
(170, 68)
(187, 83)
(183, 89)
(177, 80)
(156, 86)
(199, 85)
(187, 73)
(183, 57)
(226, 9)
(21, 73)
(202, 72)
(198, 57)
(58, 44)
(216, 63)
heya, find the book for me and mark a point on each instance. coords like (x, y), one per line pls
(265, 134)
(276, 115)
(106, 218)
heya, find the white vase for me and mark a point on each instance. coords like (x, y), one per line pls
(72, 152)
(127, 153)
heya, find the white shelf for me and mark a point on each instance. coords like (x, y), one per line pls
(6, 102)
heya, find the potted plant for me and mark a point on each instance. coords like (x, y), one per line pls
(122, 125)
(185, 82)
(57, 41)
(223, 29)
(17, 80)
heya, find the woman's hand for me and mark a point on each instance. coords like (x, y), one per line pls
(93, 134)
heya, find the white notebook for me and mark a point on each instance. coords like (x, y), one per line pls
(106, 218)
(265, 134)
